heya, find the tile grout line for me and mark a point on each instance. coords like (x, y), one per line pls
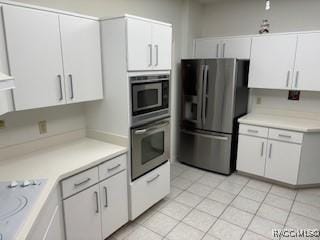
(254, 215)
(228, 205)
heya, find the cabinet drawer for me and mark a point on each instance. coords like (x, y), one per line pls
(253, 130)
(149, 189)
(112, 167)
(79, 182)
(284, 135)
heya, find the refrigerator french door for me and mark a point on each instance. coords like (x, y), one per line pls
(214, 95)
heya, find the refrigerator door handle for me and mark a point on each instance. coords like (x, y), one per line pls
(204, 94)
(217, 137)
(200, 103)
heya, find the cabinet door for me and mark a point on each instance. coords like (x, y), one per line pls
(272, 61)
(114, 203)
(251, 155)
(34, 51)
(162, 44)
(282, 162)
(140, 50)
(307, 72)
(82, 215)
(207, 48)
(236, 48)
(81, 58)
(55, 230)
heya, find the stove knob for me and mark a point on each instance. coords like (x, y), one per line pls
(35, 182)
(26, 183)
(13, 184)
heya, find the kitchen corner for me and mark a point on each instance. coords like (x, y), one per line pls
(55, 163)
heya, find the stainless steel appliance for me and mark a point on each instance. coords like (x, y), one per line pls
(16, 200)
(150, 147)
(214, 95)
(149, 97)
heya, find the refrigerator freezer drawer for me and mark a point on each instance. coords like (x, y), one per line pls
(206, 151)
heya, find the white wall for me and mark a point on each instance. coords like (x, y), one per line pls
(235, 17)
(22, 126)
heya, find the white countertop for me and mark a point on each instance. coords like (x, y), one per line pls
(281, 122)
(55, 163)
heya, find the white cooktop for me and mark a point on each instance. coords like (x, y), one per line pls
(16, 200)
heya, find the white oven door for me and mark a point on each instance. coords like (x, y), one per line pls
(146, 96)
(150, 147)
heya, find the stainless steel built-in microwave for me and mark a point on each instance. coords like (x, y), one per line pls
(149, 97)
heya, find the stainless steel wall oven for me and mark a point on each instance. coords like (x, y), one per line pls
(150, 147)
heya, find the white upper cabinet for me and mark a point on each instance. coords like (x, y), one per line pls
(207, 48)
(34, 51)
(139, 47)
(149, 45)
(236, 47)
(55, 59)
(81, 49)
(162, 46)
(272, 61)
(307, 72)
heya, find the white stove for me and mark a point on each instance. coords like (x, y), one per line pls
(16, 200)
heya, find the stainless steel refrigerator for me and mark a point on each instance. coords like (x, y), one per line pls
(214, 96)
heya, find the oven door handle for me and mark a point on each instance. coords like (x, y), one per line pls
(143, 131)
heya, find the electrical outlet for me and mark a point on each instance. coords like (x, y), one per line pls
(2, 124)
(42, 127)
(259, 100)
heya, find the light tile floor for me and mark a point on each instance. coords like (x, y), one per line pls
(209, 206)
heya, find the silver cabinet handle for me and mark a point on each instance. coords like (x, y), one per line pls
(150, 54)
(297, 79)
(113, 168)
(284, 136)
(157, 54)
(262, 148)
(253, 131)
(270, 150)
(60, 87)
(218, 48)
(143, 131)
(153, 179)
(71, 86)
(97, 201)
(106, 195)
(81, 183)
(224, 49)
(288, 78)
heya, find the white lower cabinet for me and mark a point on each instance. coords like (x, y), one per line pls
(276, 155)
(252, 154)
(149, 189)
(82, 215)
(95, 212)
(49, 224)
(283, 161)
(114, 203)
